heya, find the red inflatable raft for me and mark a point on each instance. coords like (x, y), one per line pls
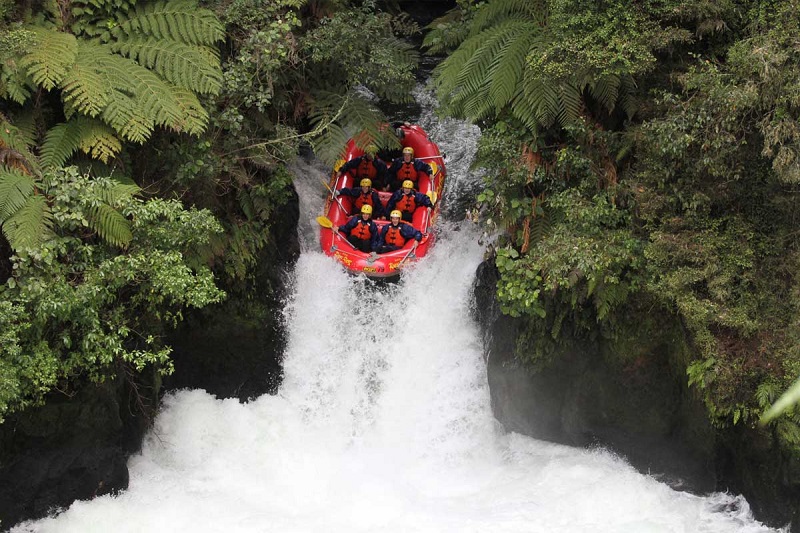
(391, 263)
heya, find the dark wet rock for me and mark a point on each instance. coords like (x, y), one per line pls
(235, 349)
(638, 407)
(72, 448)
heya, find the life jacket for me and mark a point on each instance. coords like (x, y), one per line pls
(363, 199)
(361, 231)
(366, 169)
(394, 237)
(407, 203)
(407, 172)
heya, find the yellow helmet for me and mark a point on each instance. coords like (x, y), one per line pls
(366, 209)
(371, 149)
(366, 182)
(408, 150)
(408, 184)
(395, 213)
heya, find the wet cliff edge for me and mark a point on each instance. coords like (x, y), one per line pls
(641, 410)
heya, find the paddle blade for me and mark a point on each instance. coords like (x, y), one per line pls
(325, 222)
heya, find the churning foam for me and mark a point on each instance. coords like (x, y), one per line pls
(382, 424)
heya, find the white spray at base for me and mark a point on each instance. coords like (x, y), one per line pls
(382, 424)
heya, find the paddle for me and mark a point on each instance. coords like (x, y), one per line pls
(403, 260)
(325, 222)
(333, 195)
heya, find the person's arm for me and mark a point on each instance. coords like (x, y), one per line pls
(350, 225)
(375, 240)
(423, 199)
(393, 201)
(377, 207)
(353, 163)
(379, 236)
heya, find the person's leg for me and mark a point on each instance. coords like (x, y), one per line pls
(360, 244)
(387, 248)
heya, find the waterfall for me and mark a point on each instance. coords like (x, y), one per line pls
(382, 423)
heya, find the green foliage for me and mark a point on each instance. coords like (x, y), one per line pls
(76, 307)
(33, 207)
(360, 46)
(541, 61)
(643, 158)
(144, 70)
(90, 136)
(49, 60)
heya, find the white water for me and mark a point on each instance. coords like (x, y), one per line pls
(388, 431)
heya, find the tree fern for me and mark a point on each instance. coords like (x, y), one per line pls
(178, 20)
(508, 67)
(50, 60)
(181, 64)
(498, 11)
(332, 116)
(15, 189)
(90, 136)
(157, 59)
(30, 224)
(497, 67)
(109, 224)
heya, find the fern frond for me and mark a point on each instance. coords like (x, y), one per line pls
(50, 60)
(543, 99)
(328, 146)
(110, 225)
(90, 136)
(29, 225)
(118, 191)
(570, 103)
(123, 114)
(141, 100)
(523, 110)
(496, 11)
(15, 189)
(447, 72)
(100, 142)
(60, 143)
(508, 66)
(177, 20)
(627, 98)
(181, 64)
(474, 74)
(194, 115)
(86, 87)
(606, 90)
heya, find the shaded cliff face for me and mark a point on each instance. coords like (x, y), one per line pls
(72, 447)
(234, 350)
(639, 408)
